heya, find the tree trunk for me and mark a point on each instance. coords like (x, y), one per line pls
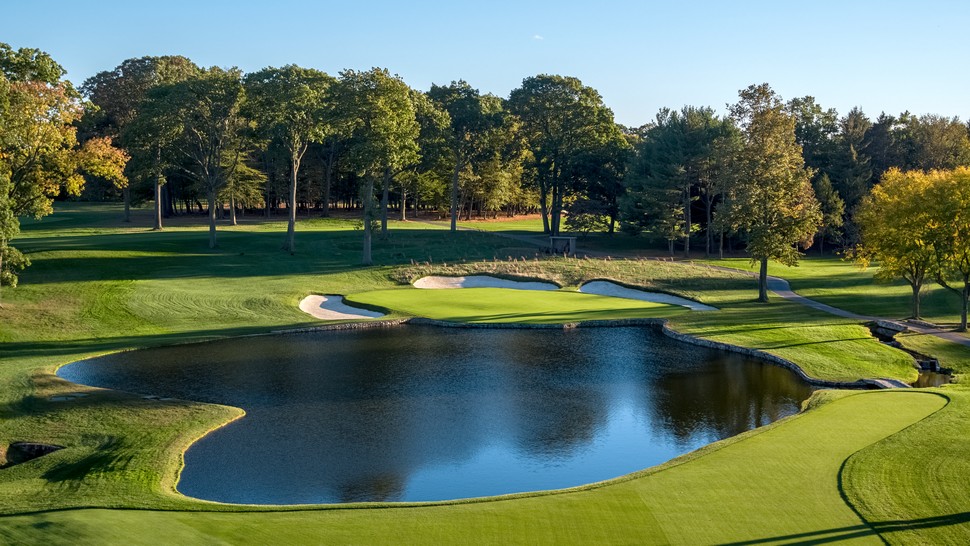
(158, 189)
(290, 244)
(964, 303)
(454, 196)
(212, 218)
(404, 203)
(327, 179)
(158, 203)
(544, 206)
(384, 202)
(708, 234)
(232, 209)
(670, 247)
(556, 209)
(763, 281)
(720, 247)
(916, 288)
(368, 197)
(127, 198)
(688, 223)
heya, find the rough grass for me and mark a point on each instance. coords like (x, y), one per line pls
(99, 286)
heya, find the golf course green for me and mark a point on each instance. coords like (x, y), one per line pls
(871, 467)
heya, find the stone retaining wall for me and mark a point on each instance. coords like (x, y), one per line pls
(653, 322)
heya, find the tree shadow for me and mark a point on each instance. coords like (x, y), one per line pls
(838, 534)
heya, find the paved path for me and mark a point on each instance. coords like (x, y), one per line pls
(777, 285)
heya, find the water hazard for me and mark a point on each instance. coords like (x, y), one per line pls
(421, 413)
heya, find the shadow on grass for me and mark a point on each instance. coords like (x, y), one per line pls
(109, 455)
(132, 256)
(838, 534)
(109, 344)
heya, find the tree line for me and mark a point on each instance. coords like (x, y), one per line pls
(770, 176)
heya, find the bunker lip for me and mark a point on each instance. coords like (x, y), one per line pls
(436, 282)
(595, 287)
(608, 288)
(332, 307)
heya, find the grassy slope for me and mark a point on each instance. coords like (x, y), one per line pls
(842, 284)
(96, 287)
(715, 496)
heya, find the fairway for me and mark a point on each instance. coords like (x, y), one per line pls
(98, 288)
(773, 485)
(498, 305)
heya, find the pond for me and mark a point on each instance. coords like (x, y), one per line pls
(419, 413)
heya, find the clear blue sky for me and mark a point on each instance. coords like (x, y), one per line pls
(881, 55)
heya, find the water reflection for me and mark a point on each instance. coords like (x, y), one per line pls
(420, 413)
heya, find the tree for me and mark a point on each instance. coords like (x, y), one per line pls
(118, 95)
(895, 222)
(833, 210)
(773, 204)
(288, 105)
(204, 111)
(377, 113)
(816, 131)
(474, 120)
(674, 166)
(561, 119)
(40, 156)
(948, 197)
(851, 171)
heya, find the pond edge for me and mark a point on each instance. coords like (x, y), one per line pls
(661, 323)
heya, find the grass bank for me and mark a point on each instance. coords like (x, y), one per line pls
(98, 285)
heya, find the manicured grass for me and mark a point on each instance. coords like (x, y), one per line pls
(914, 482)
(826, 347)
(843, 284)
(531, 225)
(497, 305)
(98, 285)
(774, 485)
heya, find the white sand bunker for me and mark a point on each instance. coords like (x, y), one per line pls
(334, 308)
(480, 281)
(606, 288)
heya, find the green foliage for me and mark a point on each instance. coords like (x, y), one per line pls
(895, 223)
(584, 215)
(675, 164)
(832, 207)
(564, 122)
(375, 110)
(772, 203)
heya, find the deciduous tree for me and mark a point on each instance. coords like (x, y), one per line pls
(772, 202)
(948, 198)
(40, 156)
(896, 224)
(562, 119)
(118, 95)
(377, 113)
(288, 105)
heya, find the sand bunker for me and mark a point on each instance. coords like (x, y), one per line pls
(334, 308)
(606, 288)
(480, 281)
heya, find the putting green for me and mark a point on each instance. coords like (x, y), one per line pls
(496, 305)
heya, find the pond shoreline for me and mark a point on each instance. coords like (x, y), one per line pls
(662, 323)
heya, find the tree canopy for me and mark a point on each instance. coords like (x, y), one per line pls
(772, 203)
